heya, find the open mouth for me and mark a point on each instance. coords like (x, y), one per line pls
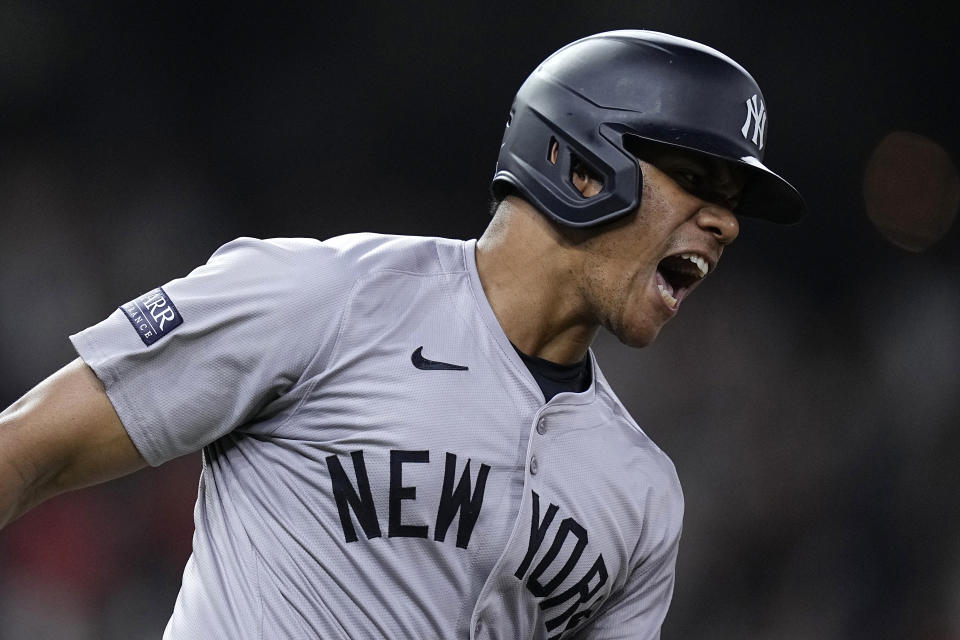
(677, 274)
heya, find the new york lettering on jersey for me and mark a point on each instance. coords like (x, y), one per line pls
(564, 540)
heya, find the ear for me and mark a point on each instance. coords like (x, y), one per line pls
(585, 179)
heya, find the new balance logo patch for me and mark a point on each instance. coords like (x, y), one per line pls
(153, 315)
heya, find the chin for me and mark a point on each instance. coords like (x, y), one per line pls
(637, 337)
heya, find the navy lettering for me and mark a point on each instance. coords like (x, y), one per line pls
(347, 497)
(577, 602)
(398, 492)
(459, 499)
(583, 591)
(538, 530)
(567, 526)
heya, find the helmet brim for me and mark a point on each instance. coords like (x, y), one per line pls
(765, 195)
(768, 196)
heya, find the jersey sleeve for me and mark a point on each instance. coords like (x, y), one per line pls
(638, 610)
(190, 361)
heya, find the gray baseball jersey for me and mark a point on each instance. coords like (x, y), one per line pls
(377, 460)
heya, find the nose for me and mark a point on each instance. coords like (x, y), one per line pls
(719, 221)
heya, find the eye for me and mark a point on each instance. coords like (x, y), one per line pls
(701, 187)
(687, 178)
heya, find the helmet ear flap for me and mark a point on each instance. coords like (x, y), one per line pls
(540, 146)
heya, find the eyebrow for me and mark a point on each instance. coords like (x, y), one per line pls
(719, 173)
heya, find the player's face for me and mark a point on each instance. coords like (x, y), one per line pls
(640, 269)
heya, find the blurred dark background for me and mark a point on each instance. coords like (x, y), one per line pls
(808, 394)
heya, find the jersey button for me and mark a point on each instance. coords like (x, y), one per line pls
(476, 628)
(533, 465)
(542, 426)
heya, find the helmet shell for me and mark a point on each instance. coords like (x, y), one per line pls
(592, 95)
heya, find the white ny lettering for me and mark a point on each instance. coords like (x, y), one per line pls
(756, 114)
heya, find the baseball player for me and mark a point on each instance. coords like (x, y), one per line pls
(410, 437)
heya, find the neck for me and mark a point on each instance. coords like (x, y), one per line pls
(528, 272)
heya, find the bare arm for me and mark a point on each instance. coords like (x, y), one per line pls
(63, 434)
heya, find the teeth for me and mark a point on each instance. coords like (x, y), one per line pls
(670, 300)
(697, 260)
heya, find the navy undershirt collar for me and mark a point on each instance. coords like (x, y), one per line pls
(554, 378)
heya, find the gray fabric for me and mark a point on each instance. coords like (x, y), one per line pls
(293, 365)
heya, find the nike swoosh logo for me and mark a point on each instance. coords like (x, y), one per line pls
(432, 365)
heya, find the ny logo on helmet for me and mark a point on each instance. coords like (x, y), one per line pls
(757, 115)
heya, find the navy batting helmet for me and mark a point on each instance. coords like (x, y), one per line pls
(586, 101)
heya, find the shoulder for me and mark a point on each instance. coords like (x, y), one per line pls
(656, 500)
(322, 263)
(370, 252)
(651, 471)
(351, 254)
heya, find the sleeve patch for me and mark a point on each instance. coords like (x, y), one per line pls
(153, 315)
